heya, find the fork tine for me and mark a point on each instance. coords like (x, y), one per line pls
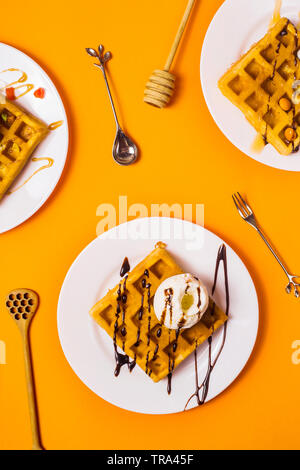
(241, 203)
(237, 206)
(245, 204)
(241, 206)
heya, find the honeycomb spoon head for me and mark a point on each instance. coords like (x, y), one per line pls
(22, 304)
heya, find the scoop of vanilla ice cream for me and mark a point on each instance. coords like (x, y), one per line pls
(180, 301)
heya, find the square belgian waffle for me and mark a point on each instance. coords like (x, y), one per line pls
(261, 78)
(156, 349)
(20, 133)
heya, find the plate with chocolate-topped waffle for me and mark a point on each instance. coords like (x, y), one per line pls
(33, 137)
(144, 317)
(253, 88)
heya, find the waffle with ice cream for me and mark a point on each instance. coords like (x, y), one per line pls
(20, 133)
(263, 85)
(127, 314)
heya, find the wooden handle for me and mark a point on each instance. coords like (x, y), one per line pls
(36, 440)
(179, 34)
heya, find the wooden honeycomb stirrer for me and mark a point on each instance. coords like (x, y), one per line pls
(22, 305)
(161, 85)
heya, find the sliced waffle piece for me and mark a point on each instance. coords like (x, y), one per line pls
(20, 133)
(261, 78)
(157, 350)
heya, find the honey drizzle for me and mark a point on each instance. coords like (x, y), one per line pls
(55, 125)
(28, 87)
(276, 14)
(21, 79)
(44, 167)
(258, 144)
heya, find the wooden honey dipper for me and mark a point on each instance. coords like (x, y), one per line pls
(22, 305)
(161, 85)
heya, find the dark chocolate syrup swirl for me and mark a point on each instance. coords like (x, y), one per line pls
(148, 287)
(171, 367)
(155, 352)
(140, 317)
(199, 297)
(283, 33)
(121, 358)
(125, 268)
(147, 362)
(182, 321)
(171, 359)
(204, 387)
(294, 123)
(123, 331)
(168, 303)
(175, 344)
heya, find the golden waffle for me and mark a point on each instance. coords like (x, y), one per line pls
(258, 81)
(155, 352)
(20, 133)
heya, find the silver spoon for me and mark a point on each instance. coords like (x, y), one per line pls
(125, 151)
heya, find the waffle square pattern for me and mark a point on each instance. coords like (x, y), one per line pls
(263, 79)
(20, 133)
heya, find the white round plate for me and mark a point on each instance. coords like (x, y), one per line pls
(17, 207)
(89, 350)
(238, 25)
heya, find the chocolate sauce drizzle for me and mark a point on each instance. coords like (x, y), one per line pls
(204, 386)
(294, 124)
(171, 359)
(283, 33)
(121, 358)
(199, 297)
(147, 285)
(168, 303)
(140, 317)
(171, 367)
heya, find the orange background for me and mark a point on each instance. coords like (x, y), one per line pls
(184, 159)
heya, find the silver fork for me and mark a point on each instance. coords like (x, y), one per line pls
(247, 214)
